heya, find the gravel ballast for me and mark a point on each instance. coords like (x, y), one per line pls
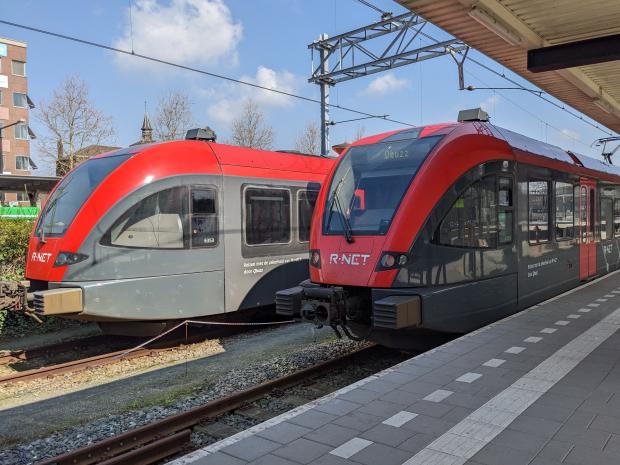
(241, 377)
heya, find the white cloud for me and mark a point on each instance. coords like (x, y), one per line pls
(231, 98)
(384, 85)
(573, 135)
(190, 32)
(267, 77)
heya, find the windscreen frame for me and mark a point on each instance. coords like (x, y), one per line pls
(120, 158)
(328, 207)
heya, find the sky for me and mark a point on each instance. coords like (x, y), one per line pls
(264, 42)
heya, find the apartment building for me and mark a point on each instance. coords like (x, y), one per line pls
(14, 107)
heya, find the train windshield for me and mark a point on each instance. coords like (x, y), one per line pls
(370, 182)
(73, 191)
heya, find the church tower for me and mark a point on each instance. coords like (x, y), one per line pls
(147, 130)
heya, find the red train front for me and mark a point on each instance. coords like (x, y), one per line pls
(140, 237)
(438, 229)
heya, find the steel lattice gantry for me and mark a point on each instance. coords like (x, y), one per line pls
(381, 46)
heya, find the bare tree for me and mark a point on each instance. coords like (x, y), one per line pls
(174, 116)
(309, 141)
(72, 123)
(360, 132)
(250, 128)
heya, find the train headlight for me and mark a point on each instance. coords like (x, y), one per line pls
(388, 260)
(315, 258)
(391, 260)
(69, 258)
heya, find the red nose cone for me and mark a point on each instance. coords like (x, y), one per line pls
(347, 264)
(40, 260)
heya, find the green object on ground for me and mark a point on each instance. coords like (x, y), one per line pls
(19, 213)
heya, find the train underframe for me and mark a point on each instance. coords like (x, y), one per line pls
(360, 313)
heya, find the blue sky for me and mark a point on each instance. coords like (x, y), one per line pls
(264, 41)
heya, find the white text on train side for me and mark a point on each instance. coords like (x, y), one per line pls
(42, 257)
(354, 259)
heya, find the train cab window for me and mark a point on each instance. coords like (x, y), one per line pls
(267, 216)
(473, 221)
(538, 211)
(564, 211)
(607, 224)
(305, 206)
(203, 217)
(616, 218)
(72, 193)
(156, 222)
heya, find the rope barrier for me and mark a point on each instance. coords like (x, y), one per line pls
(186, 323)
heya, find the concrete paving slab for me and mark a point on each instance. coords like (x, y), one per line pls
(540, 387)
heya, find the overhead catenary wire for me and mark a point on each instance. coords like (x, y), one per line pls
(503, 76)
(540, 96)
(131, 24)
(533, 115)
(333, 123)
(370, 5)
(196, 70)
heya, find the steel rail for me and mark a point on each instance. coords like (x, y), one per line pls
(115, 356)
(110, 357)
(77, 365)
(23, 355)
(135, 446)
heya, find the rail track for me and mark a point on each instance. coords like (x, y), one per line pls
(106, 357)
(168, 437)
(76, 345)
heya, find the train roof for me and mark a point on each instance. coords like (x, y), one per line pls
(542, 149)
(231, 155)
(514, 140)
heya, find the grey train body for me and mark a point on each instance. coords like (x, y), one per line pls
(158, 284)
(462, 289)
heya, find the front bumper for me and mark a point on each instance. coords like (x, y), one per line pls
(335, 305)
(59, 301)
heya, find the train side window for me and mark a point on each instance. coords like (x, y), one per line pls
(158, 221)
(505, 210)
(267, 216)
(616, 218)
(607, 223)
(472, 221)
(538, 211)
(204, 228)
(564, 211)
(305, 206)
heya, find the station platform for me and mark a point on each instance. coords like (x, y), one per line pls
(541, 387)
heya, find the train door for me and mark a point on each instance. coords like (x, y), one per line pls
(587, 223)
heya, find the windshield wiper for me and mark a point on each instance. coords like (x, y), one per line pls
(51, 210)
(348, 231)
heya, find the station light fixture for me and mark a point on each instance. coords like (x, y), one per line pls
(496, 26)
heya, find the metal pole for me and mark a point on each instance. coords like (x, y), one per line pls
(324, 100)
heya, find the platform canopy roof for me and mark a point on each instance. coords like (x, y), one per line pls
(584, 72)
(16, 183)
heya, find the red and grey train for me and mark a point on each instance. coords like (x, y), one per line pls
(170, 231)
(448, 227)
